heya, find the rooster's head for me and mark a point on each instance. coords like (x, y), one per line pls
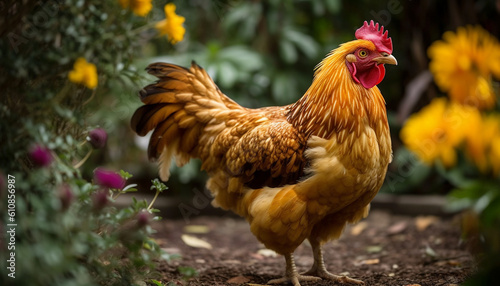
(366, 56)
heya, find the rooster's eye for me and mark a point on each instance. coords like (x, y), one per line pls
(362, 53)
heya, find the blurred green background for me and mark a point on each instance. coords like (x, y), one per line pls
(263, 53)
(260, 53)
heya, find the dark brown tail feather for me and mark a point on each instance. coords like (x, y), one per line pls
(177, 129)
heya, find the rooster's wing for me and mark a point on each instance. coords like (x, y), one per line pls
(192, 118)
(261, 149)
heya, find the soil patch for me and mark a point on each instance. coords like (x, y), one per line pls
(383, 249)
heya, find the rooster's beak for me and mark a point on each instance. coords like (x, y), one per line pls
(386, 59)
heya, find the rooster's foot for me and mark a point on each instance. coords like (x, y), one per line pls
(332, 277)
(291, 274)
(294, 279)
(319, 270)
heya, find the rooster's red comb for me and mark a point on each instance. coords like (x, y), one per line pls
(378, 37)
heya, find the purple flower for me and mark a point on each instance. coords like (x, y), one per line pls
(100, 199)
(66, 196)
(108, 179)
(40, 156)
(97, 138)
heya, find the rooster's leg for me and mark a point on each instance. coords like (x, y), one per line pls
(318, 269)
(291, 274)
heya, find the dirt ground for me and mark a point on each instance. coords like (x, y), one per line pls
(383, 249)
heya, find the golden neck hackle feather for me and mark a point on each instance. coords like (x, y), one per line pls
(334, 102)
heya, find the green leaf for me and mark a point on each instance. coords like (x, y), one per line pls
(284, 88)
(244, 18)
(129, 190)
(304, 42)
(456, 175)
(478, 194)
(227, 74)
(473, 191)
(288, 52)
(126, 175)
(482, 203)
(156, 282)
(430, 252)
(374, 249)
(168, 257)
(158, 185)
(333, 6)
(242, 58)
(187, 272)
(490, 215)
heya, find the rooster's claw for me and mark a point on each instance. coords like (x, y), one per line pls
(295, 279)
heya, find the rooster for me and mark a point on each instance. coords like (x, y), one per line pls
(296, 172)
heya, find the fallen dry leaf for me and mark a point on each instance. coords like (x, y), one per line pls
(430, 252)
(454, 263)
(161, 241)
(358, 228)
(413, 285)
(422, 222)
(238, 280)
(231, 261)
(256, 256)
(171, 250)
(267, 252)
(195, 242)
(374, 249)
(196, 229)
(391, 274)
(397, 227)
(370, 261)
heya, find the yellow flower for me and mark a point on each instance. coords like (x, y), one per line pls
(435, 131)
(482, 133)
(139, 7)
(463, 64)
(172, 25)
(84, 73)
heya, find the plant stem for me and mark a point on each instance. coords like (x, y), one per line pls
(90, 98)
(117, 195)
(153, 201)
(79, 164)
(143, 28)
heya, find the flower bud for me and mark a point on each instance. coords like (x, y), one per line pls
(40, 156)
(143, 218)
(108, 179)
(97, 138)
(66, 196)
(100, 199)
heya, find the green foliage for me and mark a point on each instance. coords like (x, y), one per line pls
(65, 241)
(68, 230)
(481, 201)
(260, 53)
(187, 272)
(158, 186)
(156, 282)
